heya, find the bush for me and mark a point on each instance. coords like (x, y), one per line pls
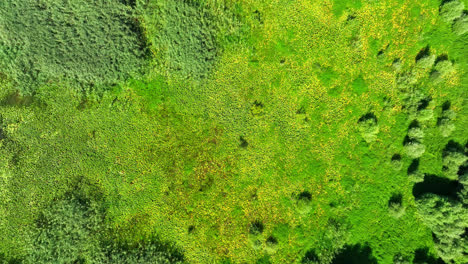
(400, 259)
(425, 62)
(368, 127)
(451, 10)
(445, 121)
(447, 220)
(446, 126)
(67, 232)
(416, 133)
(396, 162)
(460, 26)
(414, 149)
(451, 163)
(395, 206)
(72, 230)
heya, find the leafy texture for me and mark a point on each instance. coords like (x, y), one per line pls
(86, 42)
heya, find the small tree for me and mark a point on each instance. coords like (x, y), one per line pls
(368, 127)
(460, 26)
(414, 149)
(451, 10)
(447, 220)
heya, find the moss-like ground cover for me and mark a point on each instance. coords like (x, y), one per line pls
(233, 131)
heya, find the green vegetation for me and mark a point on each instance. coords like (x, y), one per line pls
(213, 131)
(90, 43)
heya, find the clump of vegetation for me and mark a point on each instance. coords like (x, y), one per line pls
(413, 141)
(187, 35)
(395, 206)
(447, 220)
(256, 227)
(451, 10)
(400, 259)
(72, 230)
(396, 162)
(332, 242)
(414, 174)
(68, 232)
(445, 121)
(88, 43)
(416, 103)
(460, 25)
(414, 148)
(368, 127)
(453, 157)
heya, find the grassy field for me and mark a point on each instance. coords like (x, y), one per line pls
(232, 131)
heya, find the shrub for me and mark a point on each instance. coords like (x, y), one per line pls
(416, 133)
(400, 259)
(396, 162)
(452, 161)
(395, 206)
(446, 126)
(425, 62)
(447, 220)
(414, 149)
(451, 10)
(444, 67)
(368, 127)
(72, 230)
(413, 172)
(67, 232)
(460, 26)
(445, 121)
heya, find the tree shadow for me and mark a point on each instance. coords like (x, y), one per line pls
(437, 185)
(422, 256)
(356, 254)
(423, 53)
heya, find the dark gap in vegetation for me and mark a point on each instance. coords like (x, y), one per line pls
(356, 254)
(463, 170)
(396, 157)
(380, 53)
(305, 196)
(282, 61)
(442, 57)
(395, 199)
(422, 256)
(424, 103)
(310, 257)
(256, 227)
(407, 140)
(258, 104)
(130, 3)
(350, 17)
(368, 116)
(254, 195)
(446, 106)
(18, 100)
(424, 52)
(437, 185)
(414, 124)
(271, 240)
(301, 110)
(243, 142)
(413, 167)
(191, 228)
(452, 146)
